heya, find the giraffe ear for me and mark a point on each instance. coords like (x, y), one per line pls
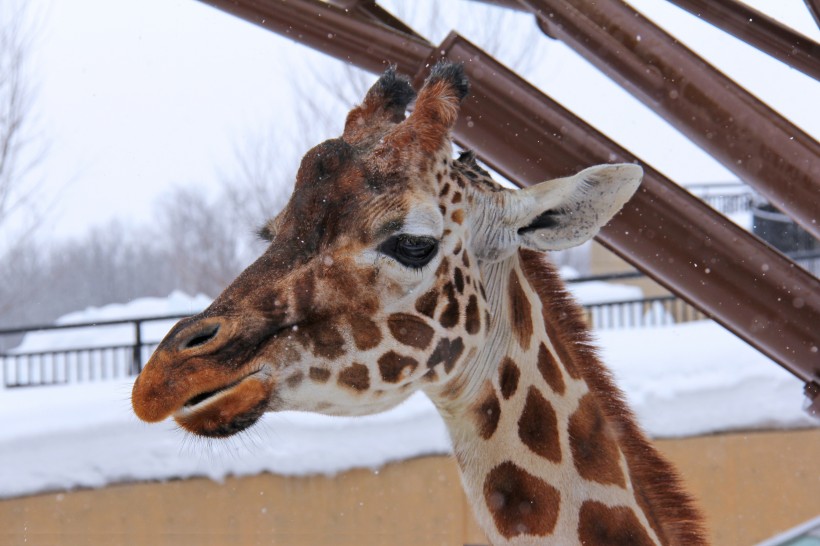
(383, 107)
(566, 212)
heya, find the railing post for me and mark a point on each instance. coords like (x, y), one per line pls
(136, 365)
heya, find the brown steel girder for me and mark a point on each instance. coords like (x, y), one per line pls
(814, 8)
(760, 30)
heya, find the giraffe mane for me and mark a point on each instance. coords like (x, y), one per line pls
(658, 486)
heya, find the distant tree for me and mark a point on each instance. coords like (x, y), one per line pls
(258, 183)
(112, 263)
(20, 153)
(202, 240)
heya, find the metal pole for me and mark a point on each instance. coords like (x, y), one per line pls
(814, 9)
(665, 231)
(136, 363)
(760, 30)
(332, 30)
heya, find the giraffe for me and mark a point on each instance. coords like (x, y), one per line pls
(396, 267)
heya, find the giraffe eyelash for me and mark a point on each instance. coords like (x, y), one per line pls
(410, 251)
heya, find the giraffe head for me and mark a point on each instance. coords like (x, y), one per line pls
(372, 285)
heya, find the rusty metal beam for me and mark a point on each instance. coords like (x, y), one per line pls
(814, 9)
(749, 138)
(371, 10)
(739, 281)
(333, 31)
(760, 30)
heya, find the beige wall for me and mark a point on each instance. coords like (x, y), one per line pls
(750, 485)
(603, 261)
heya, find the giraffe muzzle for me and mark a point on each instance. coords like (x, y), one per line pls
(200, 375)
(229, 409)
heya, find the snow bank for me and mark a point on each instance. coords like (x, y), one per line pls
(588, 293)
(697, 378)
(177, 303)
(64, 437)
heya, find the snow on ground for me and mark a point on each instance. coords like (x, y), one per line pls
(587, 293)
(688, 379)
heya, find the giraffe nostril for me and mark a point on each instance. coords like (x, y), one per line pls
(200, 338)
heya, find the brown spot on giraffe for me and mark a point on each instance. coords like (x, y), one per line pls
(426, 304)
(395, 367)
(295, 380)
(451, 313)
(487, 412)
(613, 526)
(410, 330)
(465, 259)
(520, 311)
(456, 197)
(472, 318)
(445, 190)
(519, 502)
(366, 334)
(328, 342)
(458, 279)
(443, 269)
(457, 248)
(320, 375)
(538, 426)
(508, 374)
(356, 376)
(595, 451)
(457, 216)
(303, 290)
(549, 370)
(447, 351)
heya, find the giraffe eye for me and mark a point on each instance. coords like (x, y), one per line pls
(409, 250)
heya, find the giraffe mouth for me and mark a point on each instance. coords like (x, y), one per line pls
(229, 409)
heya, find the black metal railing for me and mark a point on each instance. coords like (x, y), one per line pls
(79, 363)
(641, 313)
(727, 197)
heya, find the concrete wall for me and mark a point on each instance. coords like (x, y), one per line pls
(751, 486)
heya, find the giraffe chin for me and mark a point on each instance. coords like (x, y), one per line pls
(229, 410)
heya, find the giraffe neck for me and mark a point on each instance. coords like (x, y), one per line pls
(539, 458)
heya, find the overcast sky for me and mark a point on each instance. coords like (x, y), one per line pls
(136, 96)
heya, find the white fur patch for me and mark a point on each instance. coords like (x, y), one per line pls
(424, 220)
